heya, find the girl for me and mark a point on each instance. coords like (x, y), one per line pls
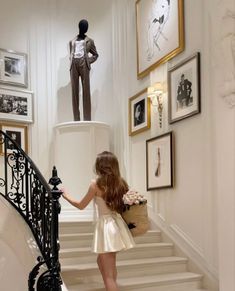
(111, 232)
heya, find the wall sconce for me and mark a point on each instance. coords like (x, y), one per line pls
(155, 93)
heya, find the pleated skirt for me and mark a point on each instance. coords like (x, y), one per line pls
(111, 234)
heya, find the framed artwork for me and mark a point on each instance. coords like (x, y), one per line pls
(184, 89)
(159, 162)
(139, 113)
(160, 32)
(13, 68)
(17, 132)
(16, 105)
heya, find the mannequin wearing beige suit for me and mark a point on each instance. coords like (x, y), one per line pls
(82, 54)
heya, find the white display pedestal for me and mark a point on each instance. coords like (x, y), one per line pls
(76, 147)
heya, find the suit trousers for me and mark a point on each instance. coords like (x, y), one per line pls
(78, 70)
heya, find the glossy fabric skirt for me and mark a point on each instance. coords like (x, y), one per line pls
(111, 234)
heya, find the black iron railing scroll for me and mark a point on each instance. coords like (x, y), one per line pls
(22, 184)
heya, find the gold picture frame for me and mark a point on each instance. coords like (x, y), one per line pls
(18, 132)
(159, 33)
(139, 113)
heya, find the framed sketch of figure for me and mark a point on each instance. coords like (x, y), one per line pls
(159, 162)
(184, 89)
(160, 32)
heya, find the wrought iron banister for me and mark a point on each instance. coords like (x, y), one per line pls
(26, 189)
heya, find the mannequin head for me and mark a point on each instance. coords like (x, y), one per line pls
(83, 26)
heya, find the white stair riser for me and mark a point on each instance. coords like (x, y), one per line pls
(81, 258)
(125, 271)
(76, 228)
(135, 253)
(146, 252)
(149, 238)
(184, 286)
(75, 241)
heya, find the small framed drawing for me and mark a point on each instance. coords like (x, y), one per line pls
(184, 89)
(13, 68)
(139, 113)
(159, 162)
(18, 133)
(16, 105)
(160, 32)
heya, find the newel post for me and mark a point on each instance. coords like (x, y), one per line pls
(56, 208)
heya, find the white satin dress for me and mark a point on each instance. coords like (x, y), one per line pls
(111, 232)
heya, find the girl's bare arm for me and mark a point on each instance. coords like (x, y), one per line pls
(85, 200)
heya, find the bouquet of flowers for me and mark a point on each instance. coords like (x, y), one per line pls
(132, 197)
(135, 212)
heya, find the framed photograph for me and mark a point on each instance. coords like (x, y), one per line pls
(13, 68)
(17, 132)
(184, 89)
(16, 105)
(139, 113)
(159, 162)
(160, 32)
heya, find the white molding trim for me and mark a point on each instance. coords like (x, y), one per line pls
(161, 217)
(194, 253)
(180, 233)
(186, 246)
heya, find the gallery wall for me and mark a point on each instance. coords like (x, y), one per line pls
(188, 211)
(195, 211)
(42, 30)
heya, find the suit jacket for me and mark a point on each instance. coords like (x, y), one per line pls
(89, 47)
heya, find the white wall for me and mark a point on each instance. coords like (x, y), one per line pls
(196, 211)
(188, 212)
(98, 14)
(42, 29)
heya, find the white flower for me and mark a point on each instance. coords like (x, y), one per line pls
(132, 197)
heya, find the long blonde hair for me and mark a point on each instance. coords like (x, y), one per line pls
(109, 180)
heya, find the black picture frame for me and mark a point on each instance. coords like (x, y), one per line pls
(159, 162)
(184, 89)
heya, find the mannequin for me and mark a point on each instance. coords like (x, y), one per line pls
(82, 54)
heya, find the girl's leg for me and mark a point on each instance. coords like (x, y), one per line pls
(107, 266)
(100, 265)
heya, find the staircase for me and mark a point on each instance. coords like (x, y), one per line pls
(150, 266)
